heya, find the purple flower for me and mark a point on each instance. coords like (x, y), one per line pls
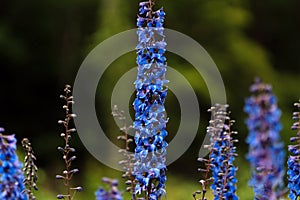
(266, 153)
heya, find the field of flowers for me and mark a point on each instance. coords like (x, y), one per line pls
(222, 174)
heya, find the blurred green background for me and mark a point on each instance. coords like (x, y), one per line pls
(43, 43)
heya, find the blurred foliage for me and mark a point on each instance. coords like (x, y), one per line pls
(43, 43)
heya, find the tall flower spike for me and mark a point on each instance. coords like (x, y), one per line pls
(30, 170)
(112, 194)
(266, 152)
(11, 175)
(128, 162)
(294, 159)
(150, 116)
(223, 153)
(67, 149)
(216, 124)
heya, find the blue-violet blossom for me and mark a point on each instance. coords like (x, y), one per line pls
(11, 175)
(150, 117)
(266, 152)
(222, 154)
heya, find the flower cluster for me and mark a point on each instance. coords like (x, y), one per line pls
(128, 162)
(11, 175)
(222, 154)
(112, 194)
(266, 153)
(67, 149)
(30, 169)
(218, 117)
(150, 117)
(294, 159)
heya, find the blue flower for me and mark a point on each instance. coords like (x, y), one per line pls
(294, 159)
(150, 116)
(266, 152)
(11, 175)
(222, 154)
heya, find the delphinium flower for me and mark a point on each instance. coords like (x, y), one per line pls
(30, 170)
(112, 194)
(150, 117)
(67, 150)
(128, 162)
(11, 175)
(218, 117)
(266, 151)
(294, 159)
(222, 154)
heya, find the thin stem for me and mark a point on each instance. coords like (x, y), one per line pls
(66, 149)
(74, 194)
(130, 176)
(213, 133)
(68, 172)
(298, 125)
(149, 189)
(128, 163)
(205, 178)
(151, 4)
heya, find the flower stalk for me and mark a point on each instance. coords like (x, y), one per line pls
(150, 116)
(128, 162)
(294, 158)
(266, 152)
(30, 170)
(67, 150)
(218, 117)
(223, 153)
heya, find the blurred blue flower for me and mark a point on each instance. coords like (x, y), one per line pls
(150, 116)
(101, 194)
(112, 194)
(294, 159)
(11, 175)
(266, 152)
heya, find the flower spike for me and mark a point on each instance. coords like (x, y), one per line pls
(294, 158)
(128, 162)
(150, 116)
(216, 124)
(68, 173)
(222, 155)
(266, 153)
(30, 170)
